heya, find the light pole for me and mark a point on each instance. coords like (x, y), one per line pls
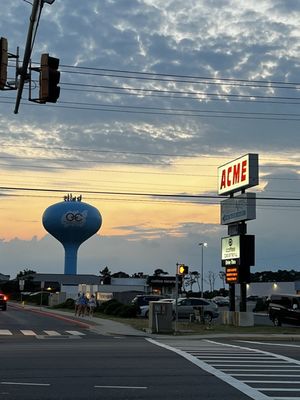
(202, 244)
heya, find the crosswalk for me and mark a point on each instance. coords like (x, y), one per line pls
(41, 333)
(259, 374)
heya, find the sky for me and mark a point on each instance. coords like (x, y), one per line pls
(155, 96)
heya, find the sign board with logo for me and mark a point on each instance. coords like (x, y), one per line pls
(238, 250)
(238, 208)
(238, 174)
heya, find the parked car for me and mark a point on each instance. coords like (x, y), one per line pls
(3, 301)
(221, 301)
(252, 298)
(284, 308)
(186, 306)
(144, 299)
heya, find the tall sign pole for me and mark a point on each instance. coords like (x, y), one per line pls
(238, 248)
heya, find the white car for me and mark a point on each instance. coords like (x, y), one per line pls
(187, 305)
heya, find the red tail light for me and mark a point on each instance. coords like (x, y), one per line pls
(5, 298)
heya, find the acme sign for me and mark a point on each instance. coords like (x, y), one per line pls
(239, 174)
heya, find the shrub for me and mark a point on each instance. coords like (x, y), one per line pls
(69, 303)
(114, 307)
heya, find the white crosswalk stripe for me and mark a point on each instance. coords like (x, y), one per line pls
(52, 333)
(5, 332)
(76, 333)
(32, 333)
(28, 332)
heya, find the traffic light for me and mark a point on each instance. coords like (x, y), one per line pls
(49, 79)
(182, 269)
(3, 62)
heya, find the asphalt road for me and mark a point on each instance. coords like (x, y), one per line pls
(74, 363)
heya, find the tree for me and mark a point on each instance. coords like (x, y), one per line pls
(191, 279)
(159, 272)
(222, 276)
(106, 276)
(26, 274)
(105, 271)
(211, 280)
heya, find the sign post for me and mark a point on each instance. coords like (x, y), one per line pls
(21, 287)
(238, 248)
(42, 289)
(176, 299)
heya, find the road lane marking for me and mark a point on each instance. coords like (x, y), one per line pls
(270, 344)
(5, 332)
(76, 333)
(259, 381)
(52, 333)
(278, 390)
(285, 398)
(253, 393)
(25, 383)
(28, 332)
(279, 375)
(121, 387)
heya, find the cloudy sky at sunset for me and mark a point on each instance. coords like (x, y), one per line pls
(155, 95)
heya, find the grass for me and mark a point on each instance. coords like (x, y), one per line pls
(193, 328)
(198, 329)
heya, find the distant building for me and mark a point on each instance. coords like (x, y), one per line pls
(265, 289)
(4, 278)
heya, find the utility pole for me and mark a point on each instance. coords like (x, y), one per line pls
(34, 18)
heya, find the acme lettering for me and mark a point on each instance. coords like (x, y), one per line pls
(234, 175)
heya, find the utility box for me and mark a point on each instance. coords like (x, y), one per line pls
(160, 317)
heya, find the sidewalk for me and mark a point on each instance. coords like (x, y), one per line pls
(102, 326)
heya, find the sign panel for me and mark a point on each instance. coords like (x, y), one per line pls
(238, 174)
(230, 250)
(238, 250)
(232, 274)
(238, 208)
(237, 274)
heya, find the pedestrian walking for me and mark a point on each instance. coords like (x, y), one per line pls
(92, 304)
(83, 301)
(77, 305)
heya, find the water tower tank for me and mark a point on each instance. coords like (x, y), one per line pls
(71, 222)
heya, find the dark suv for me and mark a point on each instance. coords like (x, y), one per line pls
(3, 301)
(284, 308)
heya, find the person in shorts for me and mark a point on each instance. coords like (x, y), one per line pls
(92, 304)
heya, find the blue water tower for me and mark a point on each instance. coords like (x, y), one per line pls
(71, 222)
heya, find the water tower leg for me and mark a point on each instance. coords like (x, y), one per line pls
(71, 259)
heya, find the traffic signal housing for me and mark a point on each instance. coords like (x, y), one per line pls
(182, 269)
(3, 62)
(49, 79)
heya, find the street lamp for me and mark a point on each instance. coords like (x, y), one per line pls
(202, 244)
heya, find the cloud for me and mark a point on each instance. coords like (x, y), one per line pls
(116, 115)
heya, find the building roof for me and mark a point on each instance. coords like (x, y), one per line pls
(67, 279)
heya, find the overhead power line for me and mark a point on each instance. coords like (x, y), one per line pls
(190, 77)
(145, 194)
